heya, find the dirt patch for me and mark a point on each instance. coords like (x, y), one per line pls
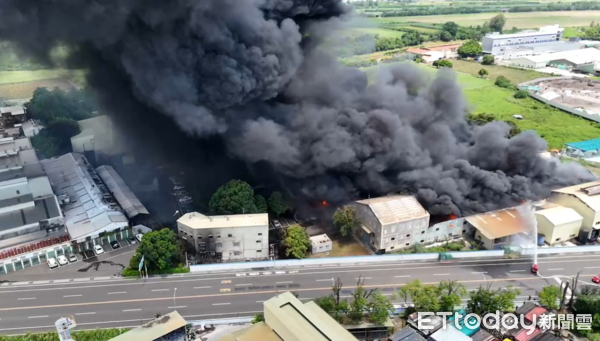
(25, 89)
(343, 248)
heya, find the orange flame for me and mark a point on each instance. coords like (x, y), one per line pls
(452, 217)
(325, 203)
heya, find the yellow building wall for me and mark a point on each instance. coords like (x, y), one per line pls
(487, 243)
(561, 232)
(590, 218)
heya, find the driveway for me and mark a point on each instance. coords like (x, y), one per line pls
(110, 263)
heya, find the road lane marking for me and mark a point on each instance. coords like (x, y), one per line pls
(161, 289)
(226, 281)
(26, 298)
(178, 306)
(517, 271)
(126, 310)
(226, 290)
(221, 303)
(243, 285)
(259, 301)
(38, 317)
(154, 299)
(357, 278)
(286, 282)
(72, 295)
(557, 269)
(201, 287)
(401, 276)
(441, 274)
(478, 273)
(325, 280)
(592, 267)
(92, 313)
(117, 292)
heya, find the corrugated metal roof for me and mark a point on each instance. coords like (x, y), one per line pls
(406, 334)
(560, 215)
(395, 209)
(586, 146)
(592, 201)
(498, 224)
(154, 329)
(126, 198)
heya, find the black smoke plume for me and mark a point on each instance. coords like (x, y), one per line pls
(248, 81)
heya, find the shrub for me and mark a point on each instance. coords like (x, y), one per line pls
(482, 73)
(521, 94)
(503, 82)
(488, 59)
(442, 63)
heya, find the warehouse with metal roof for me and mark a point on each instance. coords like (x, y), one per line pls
(132, 206)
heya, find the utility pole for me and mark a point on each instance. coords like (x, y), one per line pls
(574, 286)
(174, 299)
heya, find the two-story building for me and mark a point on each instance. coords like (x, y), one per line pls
(236, 237)
(497, 44)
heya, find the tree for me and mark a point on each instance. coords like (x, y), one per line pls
(588, 301)
(332, 304)
(345, 220)
(277, 204)
(520, 94)
(482, 73)
(497, 23)
(359, 302)
(444, 63)
(296, 242)
(235, 197)
(480, 119)
(425, 298)
(48, 105)
(46, 145)
(550, 296)
(503, 82)
(451, 27)
(445, 36)
(63, 129)
(450, 293)
(379, 307)
(488, 59)
(470, 48)
(514, 130)
(160, 249)
(484, 300)
(261, 204)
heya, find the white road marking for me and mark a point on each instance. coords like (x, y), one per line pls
(131, 310)
(92, 313)
(325, 280)
(401, 276)
(161, 289)
(72, 295)
(592, 267)
(557, 269)
(286, 282)
(177, 306)
(221, 303)
(243, 285)
(37, 317)
(363, 278)
(201, 287)
(26, 298)
(517, 271)
(118, 292)
(482, 272)
(259, 301)
(441, 274)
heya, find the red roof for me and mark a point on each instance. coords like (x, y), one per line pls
(521, 335)
(535, 314)
(444, 47)
(418, 51)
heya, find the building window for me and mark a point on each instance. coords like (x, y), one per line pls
(394, 238)
(237, 253)
(258, 241)
(199, 237)
(18, 192)
(236, 243)
(210, 236)
(219, 244)
(422, 232)
(258, 251)
(260, 234)
(229, 235)
(437, 229)
(557, 239)
(218, 236)
(391, 248)
(407, 244)
(408, 235)
(464, 231)
(422, 240)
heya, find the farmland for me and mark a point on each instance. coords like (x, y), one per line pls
(515, 75)
(21, 84)
(381, 32)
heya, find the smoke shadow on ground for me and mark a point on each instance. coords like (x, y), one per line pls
(96, 265)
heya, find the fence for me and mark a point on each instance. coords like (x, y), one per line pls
(340, 261)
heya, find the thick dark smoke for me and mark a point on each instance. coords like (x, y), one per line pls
(248, 80)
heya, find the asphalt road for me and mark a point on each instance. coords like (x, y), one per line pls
(129, 303)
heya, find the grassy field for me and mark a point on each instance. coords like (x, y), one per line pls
(382, 32)
(37, 75)
(343, 248)
(21, 84)
(555, 126)
(515, 75)
(573, 32)
(521, 20)
(25, 89)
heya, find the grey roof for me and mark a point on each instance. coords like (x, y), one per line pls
(126, 198)
(92, 208)
(155, 329)
(44, 208)
(482, 335)
(449, 334)
(406, 334)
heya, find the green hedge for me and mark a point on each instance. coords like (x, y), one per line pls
(134, 273)
(88, 335)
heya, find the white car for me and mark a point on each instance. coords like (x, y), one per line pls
(98, 249)
(52, 263)
(139, 237)
(62, 260)
(72, 258)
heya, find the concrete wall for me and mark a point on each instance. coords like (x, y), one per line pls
(368, 219)
(557, 233)
(249, 242)
(487, 243)
(399, 235)
(590, 218)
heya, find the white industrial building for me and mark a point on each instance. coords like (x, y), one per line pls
(557, 223)
(389, 223)
(92, 215)
(320, 243)
(537, 49)
(102, 137)
(496, 43)
(236, 237)
(586, 60)
(585, 200)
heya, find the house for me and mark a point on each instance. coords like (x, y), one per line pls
(288, 319)
(236, 236)
(433, 53)
(497, 228)
(320, 243)
(389, 223)
(585, 200)
(449, 334)
(558, 224)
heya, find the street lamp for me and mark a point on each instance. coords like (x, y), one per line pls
(174, 301)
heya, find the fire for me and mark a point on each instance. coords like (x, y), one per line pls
(325, 203)
(453, 216)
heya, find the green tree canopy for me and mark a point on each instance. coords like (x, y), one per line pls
(235, 197)
(261, 203)
(450, 293)
(485, 300)
(345, 220)
(503, 82)
(446, 36)
(296, 242)
(48, 105)
(482, 73)
(160, 249)
(470, 48)
(550, 296)
(521, 94)
(588, 301)
(488, 59)
(277, 203)
(451, 27)
(497, 23)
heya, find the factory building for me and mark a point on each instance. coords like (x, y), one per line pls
(583, 149)
(496, 43)
(101, 141)
(498, 228)
(133, 207)
(538, 49)
(235, 237)
(585, 200)
(557, 223)
(584, 60)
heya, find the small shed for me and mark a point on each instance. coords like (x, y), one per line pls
(321, 243)
(449, 334)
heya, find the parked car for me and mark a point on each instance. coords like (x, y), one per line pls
(596, 279)
(62, 260)
(276, 224)
(52, 263)
(132, 240)
(72, 258)
(139, 237)
(115, 245)
(98, 249)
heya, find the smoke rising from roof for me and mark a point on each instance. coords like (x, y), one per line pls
(248, 81)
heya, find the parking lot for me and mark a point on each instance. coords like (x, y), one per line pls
(107, 246)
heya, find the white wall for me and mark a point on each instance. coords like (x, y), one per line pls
(590, 218)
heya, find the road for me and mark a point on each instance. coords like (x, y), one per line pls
(130, 302)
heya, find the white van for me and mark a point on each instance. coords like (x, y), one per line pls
(52, 263)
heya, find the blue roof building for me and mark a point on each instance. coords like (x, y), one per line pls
(585, 146)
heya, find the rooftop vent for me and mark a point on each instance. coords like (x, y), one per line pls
(592, 190)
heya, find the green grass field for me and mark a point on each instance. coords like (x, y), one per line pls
(382, 32)
(555, 126)
(514, 75)
(37, 75)
(520, 20)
